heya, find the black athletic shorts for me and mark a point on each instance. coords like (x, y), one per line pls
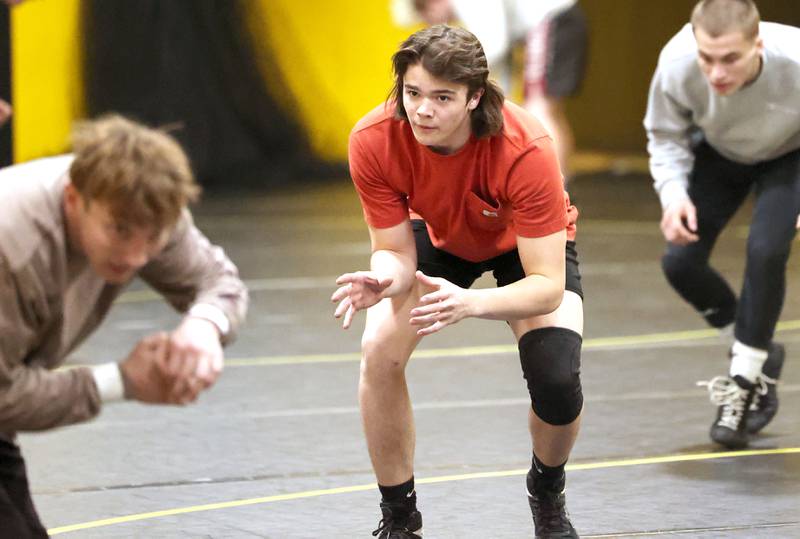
(507, 267)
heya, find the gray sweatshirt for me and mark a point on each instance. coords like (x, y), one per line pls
(759, 122)
(51, 299)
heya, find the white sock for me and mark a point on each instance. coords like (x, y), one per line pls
(747, 361)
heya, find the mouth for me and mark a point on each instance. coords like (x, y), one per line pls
(425, 128)
(119, 269)
(721, 87)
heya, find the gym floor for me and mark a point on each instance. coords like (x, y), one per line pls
(276, 450)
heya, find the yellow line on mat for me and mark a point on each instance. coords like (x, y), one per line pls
(497, 349)
(423, 481)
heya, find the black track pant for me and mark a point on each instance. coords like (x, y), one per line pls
(718, 187)
(18, 518)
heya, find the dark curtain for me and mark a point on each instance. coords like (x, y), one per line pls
(5, 82)
(190, 63)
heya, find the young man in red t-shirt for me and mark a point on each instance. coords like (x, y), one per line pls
(455, 182)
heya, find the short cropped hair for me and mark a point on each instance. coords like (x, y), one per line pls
(455, 55)
(718, 17)
(141, 173)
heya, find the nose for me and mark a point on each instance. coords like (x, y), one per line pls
(718, 73)
(135, 254)
(425, 108)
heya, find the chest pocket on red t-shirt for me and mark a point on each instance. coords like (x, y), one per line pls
(486, 215)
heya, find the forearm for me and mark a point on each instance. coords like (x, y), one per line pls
(532, 296)
(671, 161)
(34, 399)
(398, 266)
(668, 126)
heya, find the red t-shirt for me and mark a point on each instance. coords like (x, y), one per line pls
(475, 201)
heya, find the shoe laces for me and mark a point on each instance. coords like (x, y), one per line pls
(761, 390)
(550, 511)
(725, 392)
(387, 528)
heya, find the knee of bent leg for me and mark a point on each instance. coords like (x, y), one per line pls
(379, 358)
(551, 364)
(677, 265)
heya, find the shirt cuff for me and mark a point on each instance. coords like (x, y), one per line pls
(213, 314)
(109, 383)
(672, 191)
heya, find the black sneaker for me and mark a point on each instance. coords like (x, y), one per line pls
(765, 402)
(733, 397)
(550, 517)
(398, 522)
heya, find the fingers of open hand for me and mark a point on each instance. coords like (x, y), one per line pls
(433, 328)
(429, 281)
(357, 277)
(348, 317)
(434, 297)
(342, 308)
(424, 316)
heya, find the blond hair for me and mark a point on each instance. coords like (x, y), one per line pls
(718, 17)
(141, 173)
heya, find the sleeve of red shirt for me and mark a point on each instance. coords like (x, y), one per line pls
(536, 191)
(383, 206)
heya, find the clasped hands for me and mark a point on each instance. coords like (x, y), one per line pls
(173, 368)
(444, 305)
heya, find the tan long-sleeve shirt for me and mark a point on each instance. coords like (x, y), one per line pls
(51, 300)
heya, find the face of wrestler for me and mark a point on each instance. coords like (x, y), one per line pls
(116, 250)
(438, 110)
(729, 61)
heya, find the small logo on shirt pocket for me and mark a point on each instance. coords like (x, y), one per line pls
(485, 215)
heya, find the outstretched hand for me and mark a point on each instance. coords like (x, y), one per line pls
(446, 305)
(359, 290)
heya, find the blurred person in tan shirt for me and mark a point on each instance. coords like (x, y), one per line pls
(74, 231)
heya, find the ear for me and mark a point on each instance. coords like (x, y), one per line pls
(475, 100)
(71, 195)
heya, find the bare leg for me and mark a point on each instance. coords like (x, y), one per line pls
(387, 344)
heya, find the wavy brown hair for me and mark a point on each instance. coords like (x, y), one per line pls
(455, 55)
(141, 173)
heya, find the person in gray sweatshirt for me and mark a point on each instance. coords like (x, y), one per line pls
(723, 119)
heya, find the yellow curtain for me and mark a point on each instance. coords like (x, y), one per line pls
(46, 74)
(329, 64)
(332, 57)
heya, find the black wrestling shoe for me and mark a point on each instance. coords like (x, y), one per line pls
(548, 506)
(398, 522)
(733, 396)
(765, 402)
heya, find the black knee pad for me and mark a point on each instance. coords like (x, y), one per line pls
(551, 364)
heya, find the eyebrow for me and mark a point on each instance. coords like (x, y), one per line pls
(729, 56)
(442, 91)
